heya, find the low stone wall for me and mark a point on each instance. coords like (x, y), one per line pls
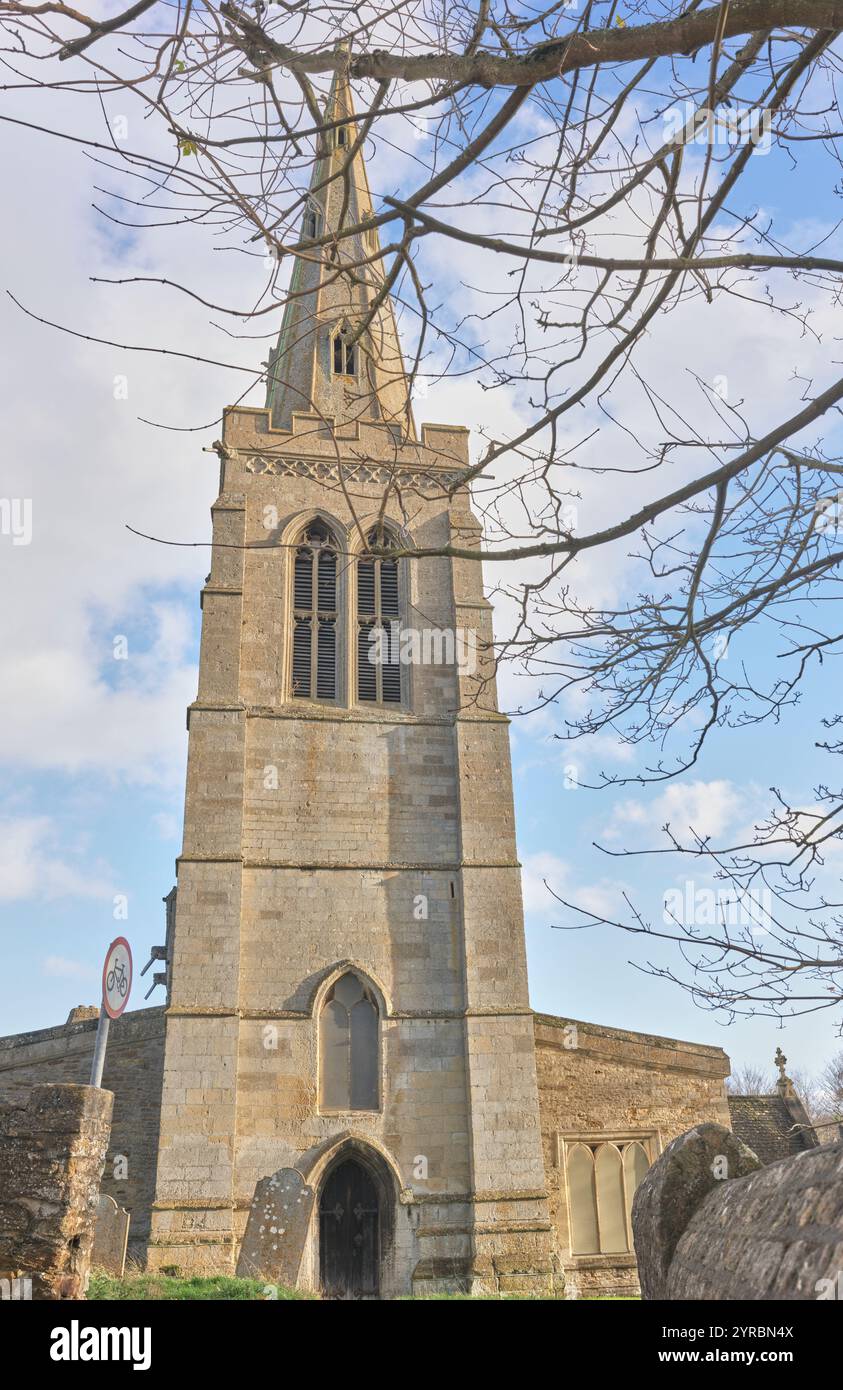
(710, 1223)
(52, 1150)
(134, 1063)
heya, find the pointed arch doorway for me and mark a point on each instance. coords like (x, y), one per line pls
(349, 1233)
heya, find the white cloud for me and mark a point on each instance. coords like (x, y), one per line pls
(31, 866)
(809, 824)
(64, 708)
(544, 871)
(536, 868)
(62, 968)
(708, 808)
(90, 467)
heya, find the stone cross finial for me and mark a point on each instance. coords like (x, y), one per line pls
(784, 1085)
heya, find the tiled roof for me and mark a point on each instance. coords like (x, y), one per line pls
(768, 1127)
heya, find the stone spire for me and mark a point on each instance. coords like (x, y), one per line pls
(309, 371)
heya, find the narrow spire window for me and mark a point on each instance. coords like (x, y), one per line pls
(315, 615)
(345, 353)
(378, 629)
(311, 224)
(349, 1047)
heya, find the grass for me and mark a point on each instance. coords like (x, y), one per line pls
(559, 1297)
(139, 1286)
(136, 1285)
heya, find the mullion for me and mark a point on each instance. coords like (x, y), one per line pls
(378, 624)
(314, 622)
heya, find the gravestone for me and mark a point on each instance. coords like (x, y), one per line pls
(111, 1236)
(678, 1182)
(275, 1232)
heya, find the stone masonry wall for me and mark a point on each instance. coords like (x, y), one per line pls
(599, 1082)
(133, 1069)
(311, 831)
(53, 1142)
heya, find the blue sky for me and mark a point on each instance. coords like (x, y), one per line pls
(93, 747)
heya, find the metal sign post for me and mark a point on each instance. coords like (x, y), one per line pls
(116, 985)
(99, 1048)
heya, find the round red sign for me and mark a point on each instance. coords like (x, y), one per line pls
(117, 977)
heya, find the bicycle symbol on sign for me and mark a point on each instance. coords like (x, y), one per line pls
(117, 976)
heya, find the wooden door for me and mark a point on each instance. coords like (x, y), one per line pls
(349, 1233)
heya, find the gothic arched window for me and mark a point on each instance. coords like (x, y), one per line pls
(349, 1047)
(378, 631)
(315, 615)
(602, 1178)
(344, 353)
(582, 1199)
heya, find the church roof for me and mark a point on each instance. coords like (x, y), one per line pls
(771, 1126)
(337, 284)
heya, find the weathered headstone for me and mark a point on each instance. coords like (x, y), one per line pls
(275, 1232)
(111, 1236)
(673, 1188)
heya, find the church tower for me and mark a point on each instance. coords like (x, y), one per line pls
(348, 1025)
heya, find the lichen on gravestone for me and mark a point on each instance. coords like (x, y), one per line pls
(675, 1186)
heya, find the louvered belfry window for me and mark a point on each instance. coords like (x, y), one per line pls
(315, 615)
(378, 612)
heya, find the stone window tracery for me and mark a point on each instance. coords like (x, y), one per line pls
(602, 1177)
(349, 1047)
(344, 353)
